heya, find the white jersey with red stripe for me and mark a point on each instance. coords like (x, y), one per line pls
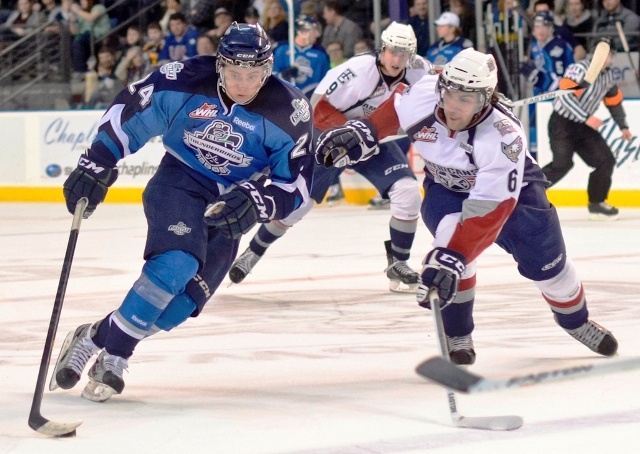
(489, 160)
(356, 89)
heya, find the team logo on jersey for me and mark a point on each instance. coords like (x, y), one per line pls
(379, 91)
(171, 70)
(456, 180)
(513, 150)
(504, 127)
(217, 147)
(346, 76)
(205, 111)
(301, 111)
(426, 135)
(556, 52)
(180, 228)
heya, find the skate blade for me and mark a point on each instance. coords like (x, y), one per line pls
(97, 392)
(53, 384)
(401, 287)
(603, 217)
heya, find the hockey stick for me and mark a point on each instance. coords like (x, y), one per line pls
(625, 46)
(597, 63)
(36, 421)
(453, 377)
(509, 422)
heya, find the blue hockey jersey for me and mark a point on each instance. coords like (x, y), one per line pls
(220, 143)
(551, 60)
(441, 53)
(312, 62)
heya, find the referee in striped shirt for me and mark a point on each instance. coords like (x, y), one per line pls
(574, 129)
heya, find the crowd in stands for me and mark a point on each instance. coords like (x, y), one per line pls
(178, 29)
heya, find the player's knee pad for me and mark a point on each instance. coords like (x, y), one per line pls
(405, 199)
(563, 286)
(178, 310)
(171, 270)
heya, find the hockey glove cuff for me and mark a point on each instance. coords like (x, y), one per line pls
(244, 206)
(442, 268)
(91, 179)
(354, 142)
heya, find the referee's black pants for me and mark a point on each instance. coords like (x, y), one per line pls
(567, 137)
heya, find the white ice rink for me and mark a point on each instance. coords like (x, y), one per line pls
(312, 353)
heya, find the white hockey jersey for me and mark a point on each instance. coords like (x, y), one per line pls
(356, 89)
(490, 161)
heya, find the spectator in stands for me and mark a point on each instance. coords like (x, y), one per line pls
(339, 28)
(361, 12)
(313, 8)
(251, 15)
(207, 44)
(275, 21)
(362, 46)
(133, 66)
(222, 21)
(612, 12)
(181, 42)
(87, 18)
(20, 21)
(108, 85)
(420, 24)
(465, 12)
(50, 11)
(311, 62)
(153, 43)
(336, 53)
(579, 20)
(173, 6)
(450, 42)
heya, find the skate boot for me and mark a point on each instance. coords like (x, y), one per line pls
(402, 278)
(76, 351)
(336, 194)
(105, 377)
(243, 266)
(379, 203)
(461, 350)
(597, 338)
(603, 212)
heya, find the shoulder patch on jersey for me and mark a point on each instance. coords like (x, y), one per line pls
(513, 150)
(171, 70)
(205, 111)
(556, 51)
(301, 111)
(417, 63)
(504, 127)
(217, 147)
(426, 135)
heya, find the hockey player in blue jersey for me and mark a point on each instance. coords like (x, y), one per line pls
(311, 61)
(227, 125)
(549, 57)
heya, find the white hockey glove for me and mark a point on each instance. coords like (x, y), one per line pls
(442, 268)
(349, 144)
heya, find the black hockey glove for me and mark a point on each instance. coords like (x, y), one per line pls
(349, 144)
(243, 207)
(289, 73)
(529, 70)
(91, 179)
(441, 270)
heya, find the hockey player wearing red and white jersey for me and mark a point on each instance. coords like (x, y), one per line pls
(482, 187)
(350, 110)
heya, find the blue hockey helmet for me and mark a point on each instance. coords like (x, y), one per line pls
(305, 23)
(245, 45)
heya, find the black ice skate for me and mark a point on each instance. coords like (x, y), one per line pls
(76, 351)
(243, 266)
(105, 377)
(603, 212)
(402, 278)
(597, 338)
(461, 350)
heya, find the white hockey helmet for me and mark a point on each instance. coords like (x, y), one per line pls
(399, 37)
(470, 71)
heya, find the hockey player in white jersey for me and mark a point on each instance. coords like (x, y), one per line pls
(482, 186)
(350, 109)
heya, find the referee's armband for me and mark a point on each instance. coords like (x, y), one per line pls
(568, 84)
(613, 97)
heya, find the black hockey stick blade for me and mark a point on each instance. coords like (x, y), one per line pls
(36, 421)
(451, 376)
